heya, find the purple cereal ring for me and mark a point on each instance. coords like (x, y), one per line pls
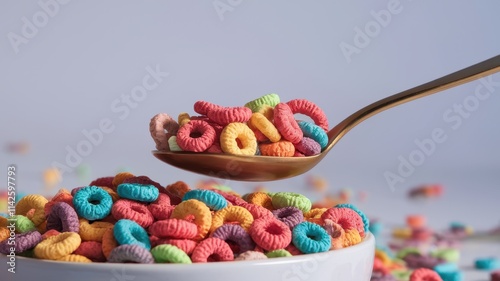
(308, 146)
(25, 241)
(130, 253)
(291, 216)
(63, 218)
(238, 239)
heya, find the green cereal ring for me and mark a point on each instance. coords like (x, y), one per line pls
(291, 199)
(448, 254)
(269, 99)
(23, 224)
(409, 250)
(172, 144)
(278, 253)
(166, 253)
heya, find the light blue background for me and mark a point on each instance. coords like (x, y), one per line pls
(67, 76)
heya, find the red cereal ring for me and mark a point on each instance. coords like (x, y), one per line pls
(132, 210)
(214, 148)
(174, 228)
(161, 127)
(212, 250)
(196, 136)
(310, 109)
(61, 196)
(161, 208)
(176, 191)
(425, 274)
(104, 181)
(203, 107)
(286, 124)
(187, 245)
(91, 250)
(270, 234)
(226, 115)
(231, 198)
(293, 250)
(144, 180)
(257, 211)
(346, 217)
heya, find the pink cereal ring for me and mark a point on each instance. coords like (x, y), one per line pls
(174, 228)
(257, 211)
(203, 107)
(212, 250)
(226, 115)
(425, 274)
(270, 234)
(132, 210)
(187, 245)
(286, 124)
(161, 208)
(346, 217)
(187, 142)
(161, 127)
(310, 109)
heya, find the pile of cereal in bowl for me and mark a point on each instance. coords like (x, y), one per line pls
(264, 126)
(133, 219)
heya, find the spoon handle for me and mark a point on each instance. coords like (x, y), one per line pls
(482, 69)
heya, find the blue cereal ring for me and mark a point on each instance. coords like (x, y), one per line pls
(138, 192)
(310, 238)
(128, 232)
(449, 272)
(92, 203)
(314, 132)
(487, 263)
(364, 218)
(213, 200)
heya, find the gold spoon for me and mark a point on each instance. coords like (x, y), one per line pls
(267, 168)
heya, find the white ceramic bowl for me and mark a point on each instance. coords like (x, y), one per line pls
(350, 264)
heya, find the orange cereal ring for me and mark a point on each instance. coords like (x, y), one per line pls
(42, 228)
(161, 127)
(91, 250)
(232, 214)
(310, 109)
(282, 148)
(203, 107)
(111, 192)
(266, 127)
(58, 246)
(3, 221)
(351, 237)
(226, 115)
(196, 136)
(4, 233)
(29, 202)
(238, 131)
(74, 258)
(197, 212)
(183, 118)
(93, 231)
(286, 124)
(267, 111)
(119, 178)
(260, 198)
(314, 215)
(108, 242)
(415, 221)
(62, 195)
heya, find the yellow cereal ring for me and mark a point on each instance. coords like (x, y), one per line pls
(266, 127)
(403, 232)
(232, 214)
(260, 198)
(4, 233)
(111, 192)
(238, 131)
(30, 202)
(194, 211)
(383, 257)
(93, 231)
(267, 111)
(314, 215)
(351, 237)
(57, 246)
(183, 118)
(74, 258)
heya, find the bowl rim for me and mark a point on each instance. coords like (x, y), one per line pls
(203, 266)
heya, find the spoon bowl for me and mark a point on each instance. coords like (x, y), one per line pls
(268, 168)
